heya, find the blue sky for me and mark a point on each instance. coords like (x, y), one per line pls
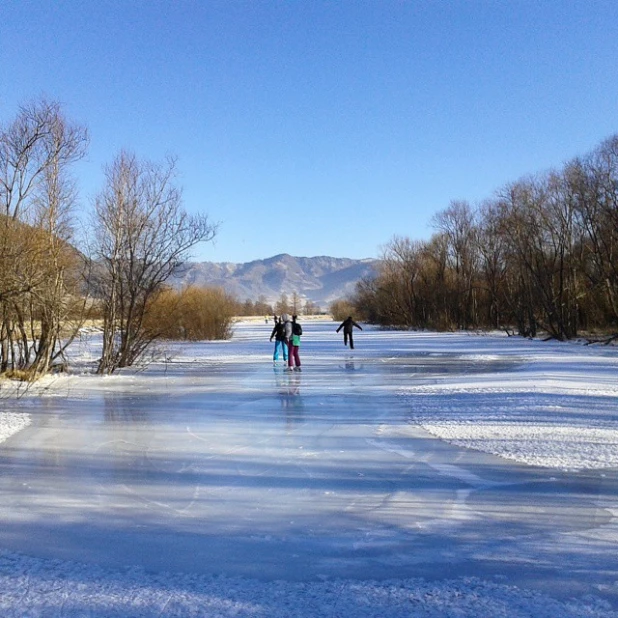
(321, 127)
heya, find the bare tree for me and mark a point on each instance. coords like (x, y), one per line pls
(142, 237)
(262, 306)
(541, 231)
(282, 305)
(402, 293)
(57, 296)
(36, 197)
(311, 308)
(493, 263)
(399, 281)
(594, 183)
(296, 303)
(457, 225)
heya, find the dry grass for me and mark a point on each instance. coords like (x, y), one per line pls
(20, 375)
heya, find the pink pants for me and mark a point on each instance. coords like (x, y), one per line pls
(293, 354)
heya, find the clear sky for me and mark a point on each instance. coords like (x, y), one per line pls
(321, 127)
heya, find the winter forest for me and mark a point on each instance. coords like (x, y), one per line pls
(538, 257)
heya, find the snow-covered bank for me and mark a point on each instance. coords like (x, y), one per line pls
(11, 423)
(56, 589)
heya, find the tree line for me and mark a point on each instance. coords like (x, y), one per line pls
(539, 257)
(136, 235)
(293, 305)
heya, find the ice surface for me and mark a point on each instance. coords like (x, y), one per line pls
(226, 472)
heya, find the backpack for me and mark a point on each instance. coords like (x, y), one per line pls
(297, 329)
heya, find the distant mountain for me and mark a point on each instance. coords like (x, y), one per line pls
(319, 279)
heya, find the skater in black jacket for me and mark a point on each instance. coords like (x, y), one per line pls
(348, 325)
(279, 335)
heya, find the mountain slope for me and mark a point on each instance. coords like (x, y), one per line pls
(319, 279)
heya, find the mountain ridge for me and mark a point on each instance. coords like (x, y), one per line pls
(320, 279)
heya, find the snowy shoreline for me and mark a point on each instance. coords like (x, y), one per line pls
(11, 423)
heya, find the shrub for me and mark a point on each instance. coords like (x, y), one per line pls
(341, 309)
(191, 314)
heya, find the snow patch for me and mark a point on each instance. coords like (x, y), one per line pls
(11, 423)
(34, 587)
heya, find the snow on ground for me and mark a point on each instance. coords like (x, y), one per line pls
(34, 588)
(11, 422)
(559, 409)
(541, 404)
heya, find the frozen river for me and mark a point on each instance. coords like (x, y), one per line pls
(219, 462)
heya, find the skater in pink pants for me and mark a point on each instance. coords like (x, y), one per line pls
(294, 345)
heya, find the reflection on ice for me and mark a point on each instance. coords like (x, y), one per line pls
(288, 385)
